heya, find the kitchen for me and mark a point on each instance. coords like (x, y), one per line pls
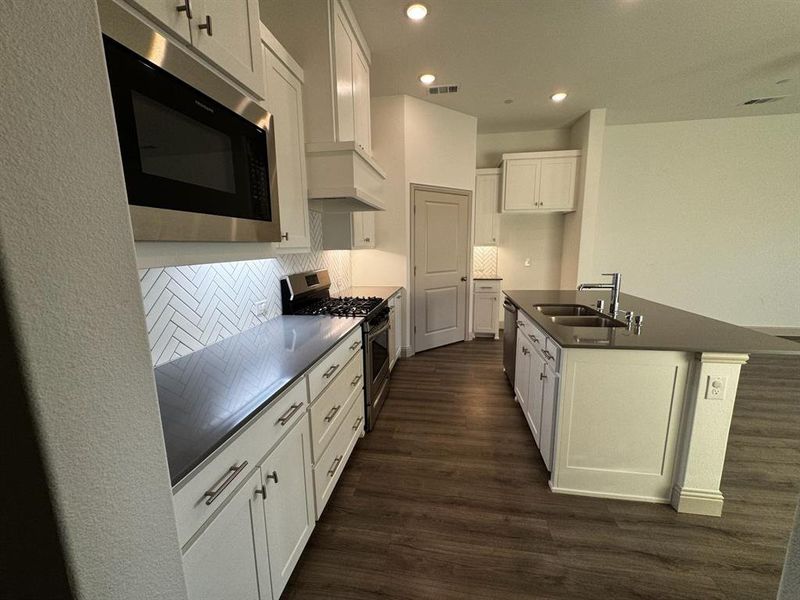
(265, 383)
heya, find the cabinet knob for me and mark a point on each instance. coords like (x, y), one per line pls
(366, 239)
(262, 491)
(186, 7)
(207, 26)
(542, 376)
(273, 475)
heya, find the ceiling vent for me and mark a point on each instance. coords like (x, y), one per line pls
(436, 90)
(765, 100)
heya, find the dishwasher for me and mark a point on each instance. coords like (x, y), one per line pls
(509, 339)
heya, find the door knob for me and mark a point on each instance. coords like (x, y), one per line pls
(463, 278)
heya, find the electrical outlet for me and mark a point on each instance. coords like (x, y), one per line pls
(261, 308)
(715, 387)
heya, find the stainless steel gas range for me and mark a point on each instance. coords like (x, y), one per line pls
(309, 294)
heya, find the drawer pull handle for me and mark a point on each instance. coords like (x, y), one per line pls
(273, 475)
(332, 414)
(336, 462)
(356, 379)
(542, 376)
(262, 491)
(535, 339)
(520, 323)
(525, 350)
(547, 355)
(357, 423)
(287, 416)
(187, 8)
(331, 370)
(234, 472)
(355, 345)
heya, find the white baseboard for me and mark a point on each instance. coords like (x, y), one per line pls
(406, 352)
(611, 495)
(790, 331)
(696, 501)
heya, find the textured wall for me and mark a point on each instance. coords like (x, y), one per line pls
(705, 215)
(190, 307)
(492, 146)
(70, 278)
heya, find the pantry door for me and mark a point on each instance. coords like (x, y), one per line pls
(440, 265)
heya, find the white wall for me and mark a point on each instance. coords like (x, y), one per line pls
(492, 146)
(69, 274)
(415, 142)
(537, 237)
(705, 216)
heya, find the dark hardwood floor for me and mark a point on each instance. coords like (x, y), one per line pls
(448, 498)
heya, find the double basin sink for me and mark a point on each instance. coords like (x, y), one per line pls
(577, 315)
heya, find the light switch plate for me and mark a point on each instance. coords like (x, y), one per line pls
(261, 307)
(715, 387)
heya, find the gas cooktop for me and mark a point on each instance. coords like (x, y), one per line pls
(345, 306)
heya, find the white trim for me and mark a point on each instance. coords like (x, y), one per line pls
(351, 18)
(489, 171)
(406, 352)
(333, 193)
(778, 331)
(335, 147)
(724, 358)
(696, 501)
(612, 495)
(281, 53)
(549, 154)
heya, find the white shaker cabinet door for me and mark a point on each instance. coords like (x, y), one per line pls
(484, 314)
(557, 183)
(535, 395)
(522, 370)
(173, 15)
(343, 49)
(285, 102)
(547, 437)
(228, 561)
(363, 229)
(227, 32)
(521, 184)
(289, 506)
(361, 101)
(487, 199)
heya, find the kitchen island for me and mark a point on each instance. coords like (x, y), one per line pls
(625, 411)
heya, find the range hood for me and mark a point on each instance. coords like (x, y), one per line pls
(343, 178)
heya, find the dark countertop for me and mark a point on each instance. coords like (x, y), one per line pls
(664, 327)
(380, 291)
(206, 396)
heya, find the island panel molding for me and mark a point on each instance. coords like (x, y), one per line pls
(701, 459)
(618, 423)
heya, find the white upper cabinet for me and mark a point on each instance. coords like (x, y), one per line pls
(488, 183)
(361, 103)
(540, 181)
(348, 231)
(284, 85)
(363, 230)
(225, 32)
(171, 14)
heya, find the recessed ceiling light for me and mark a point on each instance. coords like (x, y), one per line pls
(427, 78)
(417, 12)
(559, 97)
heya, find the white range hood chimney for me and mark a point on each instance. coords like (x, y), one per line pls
(343, 178)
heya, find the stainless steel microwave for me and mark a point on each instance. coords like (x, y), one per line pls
(199, 164)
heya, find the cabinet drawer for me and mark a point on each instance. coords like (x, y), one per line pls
(329, 366)
(552, 352)
(332, 462)
(221, 475)
(487, 286)
(531, 330)
(329, 410)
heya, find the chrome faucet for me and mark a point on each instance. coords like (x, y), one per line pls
(616, 282)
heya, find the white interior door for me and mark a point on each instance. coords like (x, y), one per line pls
(441, 235)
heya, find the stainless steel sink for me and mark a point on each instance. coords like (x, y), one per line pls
(567, 310)
(587, 321)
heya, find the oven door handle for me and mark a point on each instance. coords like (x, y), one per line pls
(373, 333)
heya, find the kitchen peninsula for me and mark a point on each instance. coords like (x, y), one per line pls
(625, 411)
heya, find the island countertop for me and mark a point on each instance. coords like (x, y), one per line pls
(206, 396)
(664, 327)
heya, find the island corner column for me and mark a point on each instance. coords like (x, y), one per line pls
(708, 410)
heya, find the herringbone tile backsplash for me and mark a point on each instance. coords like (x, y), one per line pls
(190, 307)
(484, 261)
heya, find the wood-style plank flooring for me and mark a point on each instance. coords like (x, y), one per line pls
(448, 498)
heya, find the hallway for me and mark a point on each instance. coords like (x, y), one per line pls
(448, 498)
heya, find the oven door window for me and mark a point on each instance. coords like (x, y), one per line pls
(380, 354)
(180, 149)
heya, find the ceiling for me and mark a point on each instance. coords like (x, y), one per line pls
(644, 60)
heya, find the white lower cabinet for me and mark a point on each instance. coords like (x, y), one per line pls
(289, 503)
(395, 328)
(536, 382)
(229, 559)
